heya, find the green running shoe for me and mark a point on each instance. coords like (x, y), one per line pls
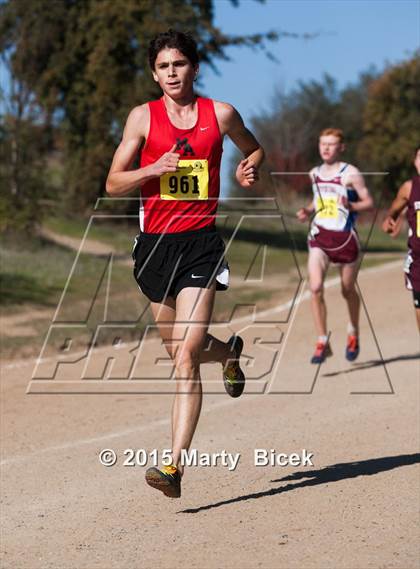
(233, 376)
(167, 480)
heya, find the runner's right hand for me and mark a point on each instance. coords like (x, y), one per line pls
(302, 214)
(392, 226)
(167, 163)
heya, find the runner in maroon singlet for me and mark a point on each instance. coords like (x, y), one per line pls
(408, 198)
(339, 193)
(178, 255)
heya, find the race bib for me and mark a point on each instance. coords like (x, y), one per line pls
(418, 222)
(327, 208)
(189, 182)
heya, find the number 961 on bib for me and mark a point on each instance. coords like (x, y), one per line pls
(189, 182)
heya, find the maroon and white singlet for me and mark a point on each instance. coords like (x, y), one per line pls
(185, 200)
(412, 265)
(332, 228)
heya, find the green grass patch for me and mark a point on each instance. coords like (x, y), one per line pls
(119, 235)
(369, 261)
(16, 288)
(37, 272)
(380, 241)
(292, 234)
(287, 234)
(34, 273)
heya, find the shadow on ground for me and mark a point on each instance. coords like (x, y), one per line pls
(333, 473)
(373, 363)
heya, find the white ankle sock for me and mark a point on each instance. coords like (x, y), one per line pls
(351, 330)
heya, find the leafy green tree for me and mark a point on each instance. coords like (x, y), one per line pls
(391, 122)
(85, 61)
(23, 148)
(290, 131)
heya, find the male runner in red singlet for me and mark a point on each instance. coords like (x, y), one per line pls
(408, 196)
(339, 193)
(178, 256)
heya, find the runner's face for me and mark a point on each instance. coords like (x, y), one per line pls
(330, 148)
(417, 162)
(174, 73)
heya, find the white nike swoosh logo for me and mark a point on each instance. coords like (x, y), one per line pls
(197, 276)
(204, 128)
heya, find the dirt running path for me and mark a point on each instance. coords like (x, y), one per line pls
(87, 246)
(356, 508)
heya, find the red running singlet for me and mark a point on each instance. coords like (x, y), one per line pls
(185, 200)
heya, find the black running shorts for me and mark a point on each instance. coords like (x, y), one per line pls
(166, 263)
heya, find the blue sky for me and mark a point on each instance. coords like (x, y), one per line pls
(354, 35)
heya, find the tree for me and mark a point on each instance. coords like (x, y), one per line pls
(23, 146)
(289, 132)
(85, 61)
(391, 122)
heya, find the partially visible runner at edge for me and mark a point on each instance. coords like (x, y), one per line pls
(179, 256)
(408, 198)
(339, 193)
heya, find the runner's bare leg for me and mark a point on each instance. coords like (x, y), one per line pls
(348, 289)
(164, 313)
(194, 306)
(317, 269)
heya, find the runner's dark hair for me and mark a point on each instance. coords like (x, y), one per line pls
(182, 41)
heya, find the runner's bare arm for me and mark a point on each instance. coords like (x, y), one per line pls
(231, 123)
(304, 213)
(355, 179)
(121, 178)
(392, 222)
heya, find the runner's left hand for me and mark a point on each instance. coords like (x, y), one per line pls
(344, 202)
(246, 174)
